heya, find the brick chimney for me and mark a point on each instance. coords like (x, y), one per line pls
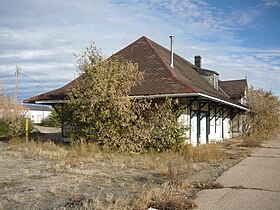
(197, 61)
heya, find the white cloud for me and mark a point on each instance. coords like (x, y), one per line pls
(258, 68)
(27, 54)
(41, 36)
(272, 3)
(201, 15)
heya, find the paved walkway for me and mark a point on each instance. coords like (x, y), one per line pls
(254, 183)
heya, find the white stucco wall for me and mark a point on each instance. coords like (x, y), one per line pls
(216, 134)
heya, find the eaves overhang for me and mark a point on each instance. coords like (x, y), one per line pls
(51, 102)
(188, 95)
(172, 95)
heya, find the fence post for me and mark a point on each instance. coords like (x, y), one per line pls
(26, 130)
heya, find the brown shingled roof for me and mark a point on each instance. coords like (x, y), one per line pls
(57, 94)
(159, 77)
(235, 89)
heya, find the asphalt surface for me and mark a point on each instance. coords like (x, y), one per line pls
(254, 183)
(49, 133)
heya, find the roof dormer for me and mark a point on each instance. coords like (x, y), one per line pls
(211, 76)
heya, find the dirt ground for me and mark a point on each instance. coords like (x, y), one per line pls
(38, 179)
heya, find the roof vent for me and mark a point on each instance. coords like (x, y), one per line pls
(197, 61)
(171, 50)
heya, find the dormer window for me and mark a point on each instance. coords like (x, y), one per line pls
(211, 76)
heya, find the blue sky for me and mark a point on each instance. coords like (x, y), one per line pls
(236, 38)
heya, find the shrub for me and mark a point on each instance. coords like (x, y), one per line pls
(11, 117)
(262, 121)
(4, 128)
(101, 108)
(251, 141)
(53, 120)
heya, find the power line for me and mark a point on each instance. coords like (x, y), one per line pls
(16, 83)
(35, 80)
(47, 74)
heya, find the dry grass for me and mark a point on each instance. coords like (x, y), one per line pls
(172, 165)
(50, 150)
(9, 184)
(84, 151)
(166, 196)
(208, 185)
(152, 177)
(107, 179)
(204, 153)
(251, 141)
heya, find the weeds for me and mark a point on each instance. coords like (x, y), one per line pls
(125, 181)
(50, 150)
(166, 196)
(85, 150)
(204, 153)
(208, 185)
(172, 165)
(251, 141)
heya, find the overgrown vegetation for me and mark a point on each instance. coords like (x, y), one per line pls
(263, 120)
(203, 153)
(111, 180)
(12, 121)
(53, 120)
(105, 114)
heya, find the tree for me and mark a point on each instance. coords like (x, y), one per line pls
(105, 113)
(53, 120)
(263, 120)
(11, 116)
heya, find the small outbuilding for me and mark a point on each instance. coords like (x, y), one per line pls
(37, 113)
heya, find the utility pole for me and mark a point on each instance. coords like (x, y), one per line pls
(0, 87)
(16, 84)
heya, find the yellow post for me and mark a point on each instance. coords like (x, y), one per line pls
(26, 130)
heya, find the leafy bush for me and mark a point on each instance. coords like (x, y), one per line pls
(104, 112)
(263, 120)
(15, 127)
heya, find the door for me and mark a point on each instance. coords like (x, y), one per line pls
(203, 128)
(200, 128)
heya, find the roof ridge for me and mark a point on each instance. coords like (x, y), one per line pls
(114, 54)
(167, 67)
(233, 80)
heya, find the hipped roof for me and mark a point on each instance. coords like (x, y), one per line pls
(159, 78)
(235, 89)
